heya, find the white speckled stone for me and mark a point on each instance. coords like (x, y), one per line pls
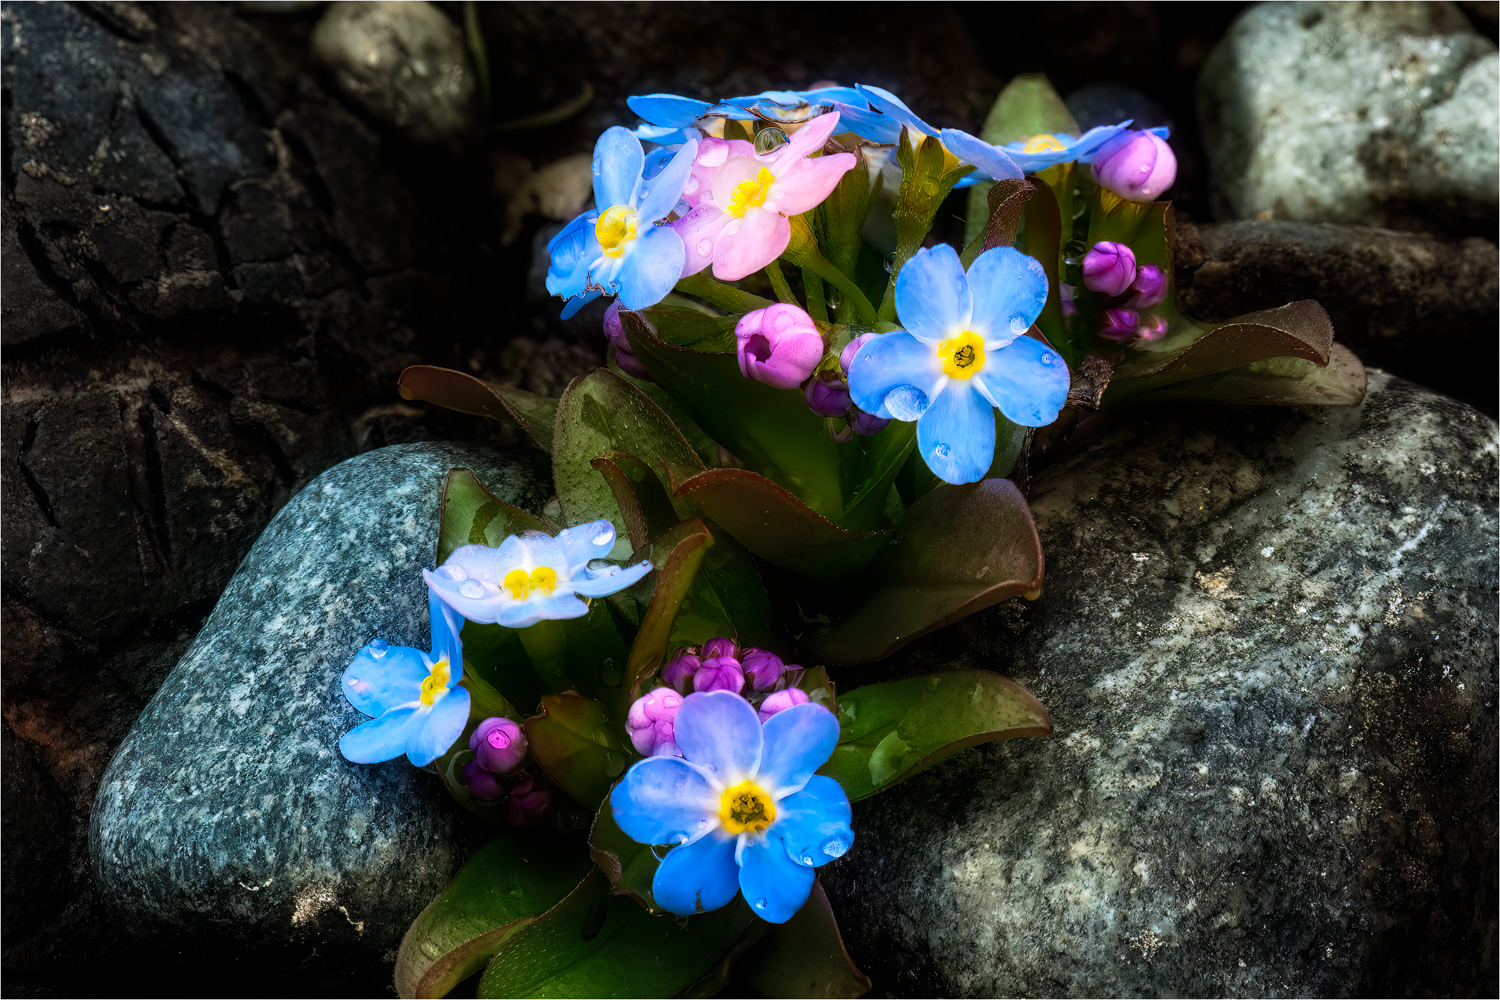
(1268, 645)
(228, 812)
(1380, 114)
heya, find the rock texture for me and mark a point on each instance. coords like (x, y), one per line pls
(228, 814)
(1268, 645)
(1376, 114)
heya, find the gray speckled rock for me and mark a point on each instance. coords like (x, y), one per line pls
(228, 811)
(1268, 645)
(1379, 114)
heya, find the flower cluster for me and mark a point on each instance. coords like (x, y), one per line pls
(1129, 293)
(496, 774)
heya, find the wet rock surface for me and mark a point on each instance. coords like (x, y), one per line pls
(228, 816)
(1267, 643)
(1378, 114)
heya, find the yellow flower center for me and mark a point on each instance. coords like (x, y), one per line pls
(750, 194)
(521, 583)
(435, 685)
(615, 228)
(746, 808)
(1042, 143)
(962, 355)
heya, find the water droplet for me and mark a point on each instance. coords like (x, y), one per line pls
(1047, 359)
(1018, 326)
(600, 737)
(1074, 252)
(768, 139)
(906, 402)
(705, 247)
(676, 837)
(941, 450)
(835, 847)
(929, 188)
(456, 572)
(352, 681)
(890, 262)
(732, 229)
(377, 647)
(606, 535)
(761, 904)
(833, 299)
(472, 589)
(807, 859)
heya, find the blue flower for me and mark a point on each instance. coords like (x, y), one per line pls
(885, 115)
(532, 576)
(1037, 153)
(964, 351)
(617, 248)
(742, 805)
(415, 702)
(670, 120)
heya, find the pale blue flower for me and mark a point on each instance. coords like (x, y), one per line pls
(964, 352)
(742, 805)
(532, 576)
(1036, 153)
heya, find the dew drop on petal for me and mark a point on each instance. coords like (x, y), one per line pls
(807, 859)
(1048, 359)
(352, 682)
(457, 572)
(705, 247)
(941, 450)
(377, 647)
(761, 904)
(472, 588)
(906, 402)
(1018, 326)
(835, 847)
(732, 230)
(676, 837)
(768, 139)
(605, 536)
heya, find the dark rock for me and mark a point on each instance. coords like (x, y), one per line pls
(1413, 303)
(228, 814)
(1267, 642)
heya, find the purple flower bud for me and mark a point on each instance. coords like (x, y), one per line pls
(720, 673)
(846, 356)
(1119, 324)
(1152, 328)
(482, 783)
(1137, 166)
(827, 398)
(499, 745)
(680, 669)
(720, 647)
(614, 330)
(762, 668)
(778, 345)
(1109, 268)
(529, 802)
(650, 720)
(1148, 289)
(781, 701)
(866, 423)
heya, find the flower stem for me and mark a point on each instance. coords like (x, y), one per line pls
(816, 305)
(778, 283)
(484, 701)
(546, 646)
(726, 297)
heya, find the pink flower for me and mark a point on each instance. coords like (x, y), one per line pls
(1109, 268)
(1137, 166)
(712, 154)
(763, 667)
(741, 225)
(778, 345)
(649, 723)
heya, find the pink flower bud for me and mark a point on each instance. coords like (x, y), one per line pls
(649, 721)
(482, 783)
(614, 332)
(720, 647)
(1109, 268)
(866, 423)
(778, 345)
(1137, 166)
(762, 668)
(721, 673)
(499, 745)
(1153, 328)
(846, 356)
(781, 701)
(1148, 289)
(680, 669)
(827, 397)
(529, 802)
(1119, 324)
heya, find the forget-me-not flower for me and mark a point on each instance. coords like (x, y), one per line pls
(742, 805)
(532, 576)
(617, 248)
(414, 699)
(963, 352)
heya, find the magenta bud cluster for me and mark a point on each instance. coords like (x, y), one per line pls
(1109, 268)
(1137, 166)
(499, 745)
(649, 723)
(718, 665)
(495, 775)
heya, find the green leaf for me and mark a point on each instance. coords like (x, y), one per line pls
(770, 430)
(472, 515)
(804, 957)
(510, 882)
(629, 865)
(870, 466)
(456, 391)
(593, 944)
(572, 741)
(779, 527)
(644, 503)
(601, 413)
(890, 731)
(726, 297)
(802, 250)
(692, 328)
(677, 556)
(957, 550)
(1040, 237)
(1276, 382)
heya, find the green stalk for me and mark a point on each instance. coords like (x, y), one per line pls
(779, 283)
(726, 297)
(546, 646)
(813, 285)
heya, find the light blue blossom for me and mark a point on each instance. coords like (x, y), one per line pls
(1036, 153)
(964, 351)
(617, 248)
(532, 576)
(414, 699)
(742, 805)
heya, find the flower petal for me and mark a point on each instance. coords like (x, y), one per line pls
(667, 109)
(749, 244)
(376, 684)
(797, 743)
(618, 159)
(578, 302)
(651, 268)
(884, 100)
(697, 877)
(436, 729)
(553, 607)
(1027, 380)
(809, 138)
(447, 625)
(720, 732)
(583, 542)
(869, 124)
(382, 738)
(1094, 139)
(699, 229)
(774, 885)
(1009, 290)
(665, 800)
(956, 435)
(666, 187)
(932, 295)
(889, 361)
(602, 583)
(802, 185)
(814, 823)
(570, 255)
(992, 162)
